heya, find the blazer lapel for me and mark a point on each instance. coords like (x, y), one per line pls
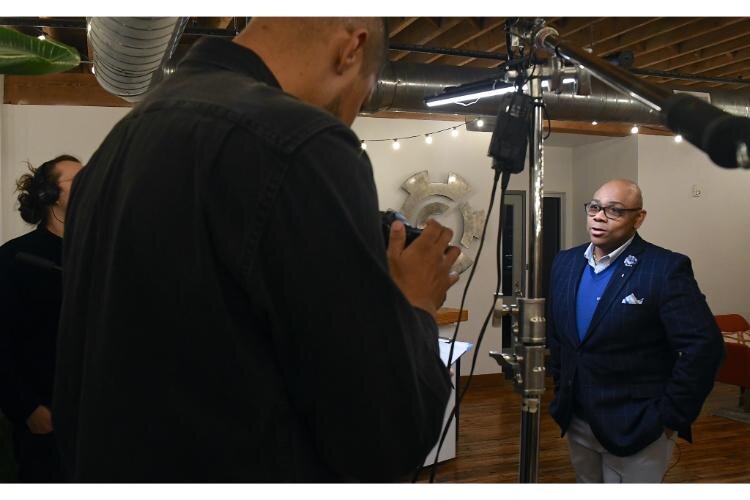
(578, 265)
(619, 278)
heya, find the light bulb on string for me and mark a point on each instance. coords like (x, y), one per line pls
(678, 138)
(480, 123)
(634, 130)
(42, 37)
(363, 145)
(454, 132)
(428, 139)
(595, 123)
(396, 145)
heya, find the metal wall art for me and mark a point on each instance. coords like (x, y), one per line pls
(432, 199)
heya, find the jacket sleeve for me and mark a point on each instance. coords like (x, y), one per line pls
(363, 363)
(695, 339)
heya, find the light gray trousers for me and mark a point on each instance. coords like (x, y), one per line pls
(594, 464)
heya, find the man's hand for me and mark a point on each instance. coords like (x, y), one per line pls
(40, 420)
(422, 270)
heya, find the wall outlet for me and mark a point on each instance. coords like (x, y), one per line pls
(697, 191)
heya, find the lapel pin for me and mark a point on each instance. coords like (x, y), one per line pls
(630, 261)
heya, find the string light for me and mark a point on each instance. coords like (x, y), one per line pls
(634, 130)
(428, 137)
(480, 123)
(93, 70)
(678, 138)
(595, 123)
(42, 37)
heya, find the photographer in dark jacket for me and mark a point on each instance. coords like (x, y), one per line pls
(229, 311)
(30, 308)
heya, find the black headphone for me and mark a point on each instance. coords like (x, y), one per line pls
(47, 190)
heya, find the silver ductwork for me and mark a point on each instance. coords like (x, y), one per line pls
(129, 53)
(403, 87)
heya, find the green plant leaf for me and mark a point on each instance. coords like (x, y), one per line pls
(27, 55)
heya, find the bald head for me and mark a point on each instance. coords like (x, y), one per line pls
(301, 36)
(329, 62)
(627, 192)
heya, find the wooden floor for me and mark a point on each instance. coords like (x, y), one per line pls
(489, 431)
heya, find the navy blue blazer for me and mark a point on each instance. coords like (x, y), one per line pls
(641, 367)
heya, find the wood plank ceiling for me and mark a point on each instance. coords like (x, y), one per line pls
(702, 47)
(697, 46)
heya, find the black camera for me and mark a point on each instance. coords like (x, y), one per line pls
(388, 217)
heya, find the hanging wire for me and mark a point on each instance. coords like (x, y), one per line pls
(415, 136)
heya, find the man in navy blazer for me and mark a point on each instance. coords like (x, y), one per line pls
(634, 346)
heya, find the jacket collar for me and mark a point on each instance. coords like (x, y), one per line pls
(229, 56)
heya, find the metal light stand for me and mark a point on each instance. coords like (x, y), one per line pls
(523, 363)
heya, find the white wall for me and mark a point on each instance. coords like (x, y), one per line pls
(711, 229)
(37, 134)
(595, 164)
(467, 156)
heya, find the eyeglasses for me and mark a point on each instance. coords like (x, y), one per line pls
(612, 213)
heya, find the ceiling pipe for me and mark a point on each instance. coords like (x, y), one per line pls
(403, 87)
(130, 53)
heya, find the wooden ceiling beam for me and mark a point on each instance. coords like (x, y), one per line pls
(569, 26)
(606, 29)
(704, 41)
(423, 34)
(558, 126)
(718, 62)
(739, 67)
(680, 34)
(738, 86)
(458, 38)
(477, 22)
(706, 54)
(398, 24)
(74, 89)
(212, 22)
(662, 27)
(714, 26)
(491, 41)
(224, 22)
(714, 85)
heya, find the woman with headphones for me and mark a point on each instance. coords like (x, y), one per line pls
(30, 297)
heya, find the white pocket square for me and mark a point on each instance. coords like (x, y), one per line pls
(632, 299)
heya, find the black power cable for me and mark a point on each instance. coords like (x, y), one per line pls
(461, 309)
(460, 396)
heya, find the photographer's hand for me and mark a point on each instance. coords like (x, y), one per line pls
(422, 270)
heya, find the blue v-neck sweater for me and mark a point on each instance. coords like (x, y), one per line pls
(590, 292)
